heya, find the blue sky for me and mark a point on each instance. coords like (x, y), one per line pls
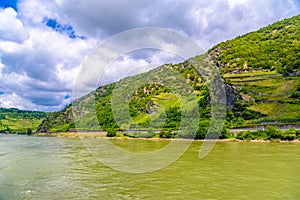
(44, 42)
(9, 3)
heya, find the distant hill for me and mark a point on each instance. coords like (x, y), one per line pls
(261, 73)
(21, 121)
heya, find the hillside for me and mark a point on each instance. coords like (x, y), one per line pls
(261, 74)
(275, 48)
(147, 103)
(14, 120)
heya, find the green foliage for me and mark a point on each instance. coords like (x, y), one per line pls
(60, 121)
(202, 129)
(29, 131)
(262, 68)
(295, 95)
(167, 134)
(265, 97)
(19, 121)
(291, 134)
(173, 118)
(111, 132)
(250, 114)
(225, 134)
(273, 47)
(21, 114)
(62, 128)
(251, 135)
(273, 132)
(247, 135)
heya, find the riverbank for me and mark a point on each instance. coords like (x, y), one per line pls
(99, 135)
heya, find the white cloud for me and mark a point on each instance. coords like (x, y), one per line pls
(15, 101)
(209, 22)
(11, 28)
(40, 71)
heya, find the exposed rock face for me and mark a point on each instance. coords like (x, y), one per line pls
(231, 95)
(42, 128)
(214, 55)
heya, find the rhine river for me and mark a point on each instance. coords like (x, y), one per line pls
(62, 168)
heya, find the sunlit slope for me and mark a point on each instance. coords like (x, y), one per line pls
(261, 77)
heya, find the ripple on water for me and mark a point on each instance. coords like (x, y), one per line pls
(52, 168)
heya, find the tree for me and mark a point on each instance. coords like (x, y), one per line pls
(225, 134)
(111, 132)
(29, 131)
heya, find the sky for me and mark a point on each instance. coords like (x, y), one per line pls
(43, 43)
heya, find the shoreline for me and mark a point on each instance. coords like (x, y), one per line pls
(102, 135)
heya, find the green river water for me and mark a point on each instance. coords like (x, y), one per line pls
(61, 168)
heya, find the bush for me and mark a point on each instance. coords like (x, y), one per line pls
(291, 134)
(202, 130)
(260, 134)
(250, 114)
(167, 134)
(225, 134)
(298, 134)
(273, 132)
(29, 131)
(111, 133)
(295, 95)
(247, 135)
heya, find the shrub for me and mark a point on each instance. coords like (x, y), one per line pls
(250, 114)
(29, 131)
(225, 134)
(273, 132)
(111, 133)
(289, 135)
(249, 135)
(295, 95)
(202, 130)
(260, 134)
(298, 133)
(167, 134)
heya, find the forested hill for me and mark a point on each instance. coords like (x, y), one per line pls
(261, 71)
(22, 121)
(275, 47)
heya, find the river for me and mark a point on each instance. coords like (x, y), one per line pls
(62, 168)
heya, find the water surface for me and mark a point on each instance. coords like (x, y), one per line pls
(61, 168)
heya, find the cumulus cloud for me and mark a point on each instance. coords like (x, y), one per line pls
(39, 64)
(208, 22)
(11, 28)
(16, 101)
(40, 70)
